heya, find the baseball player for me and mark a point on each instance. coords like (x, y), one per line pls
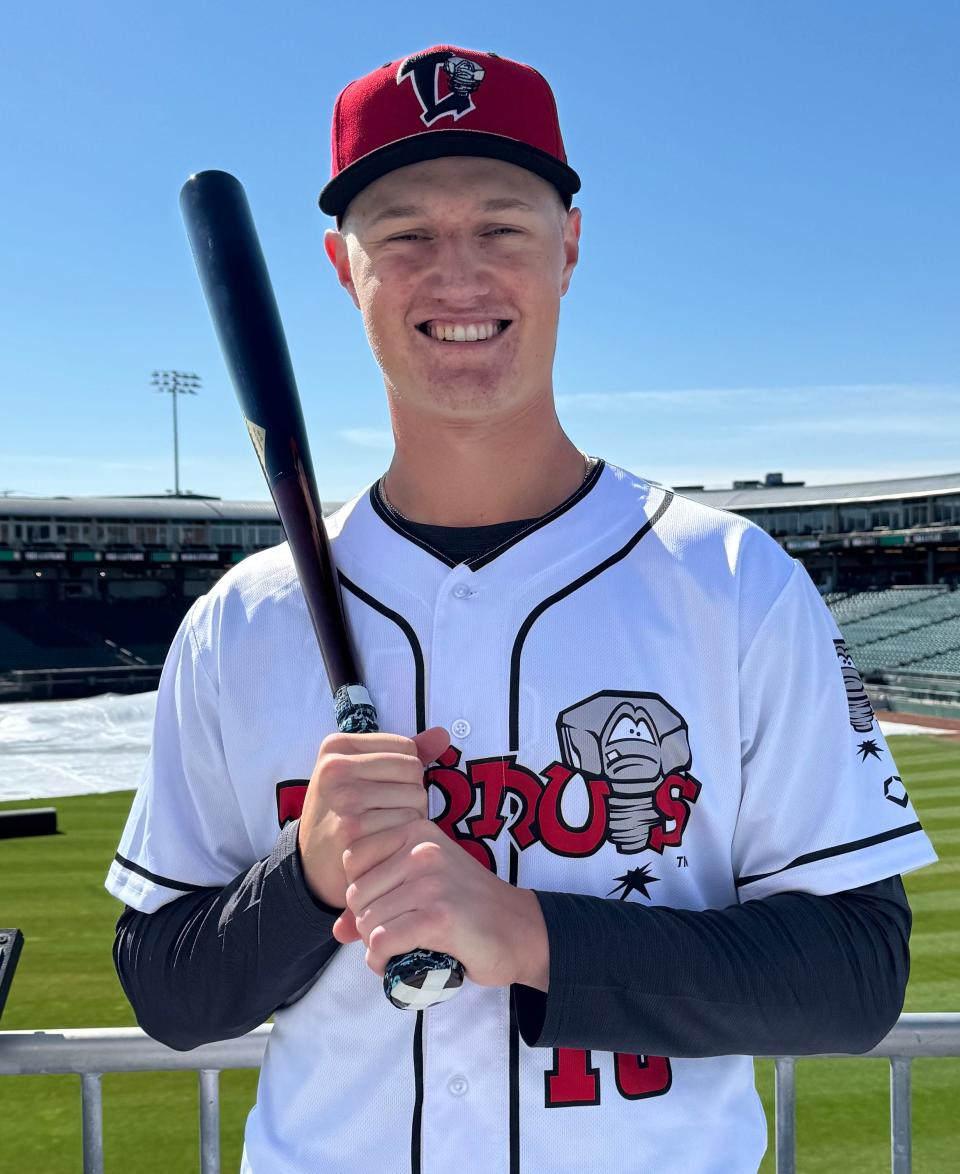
(660, 828)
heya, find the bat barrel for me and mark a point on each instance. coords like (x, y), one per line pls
(237, 286)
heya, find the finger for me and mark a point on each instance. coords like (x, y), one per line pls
(369, 851)
(431, 744)
(379, 819)
(381, 742)
(345, 928)
(405, 899)
(410, 931)
(377, 768)
(366, 797)
(417, 855)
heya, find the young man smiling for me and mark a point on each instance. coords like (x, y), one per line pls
(650, 831)
(458, 265)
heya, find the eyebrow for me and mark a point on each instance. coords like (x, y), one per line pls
(406, 211)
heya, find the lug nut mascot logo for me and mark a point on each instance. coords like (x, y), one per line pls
(861, 711)
(638, 745)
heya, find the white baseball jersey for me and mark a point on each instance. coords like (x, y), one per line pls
(635, 682)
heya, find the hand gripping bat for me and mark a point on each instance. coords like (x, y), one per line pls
(244, 311)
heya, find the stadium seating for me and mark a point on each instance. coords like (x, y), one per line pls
(915, 628)
(86, 633)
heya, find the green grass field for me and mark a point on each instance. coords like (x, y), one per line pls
(52, 888)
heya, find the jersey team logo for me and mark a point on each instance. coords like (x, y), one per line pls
(424, 71)
(624, 764)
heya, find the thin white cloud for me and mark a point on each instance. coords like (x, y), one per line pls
(715, 397)
(906, 425)
(379, 438)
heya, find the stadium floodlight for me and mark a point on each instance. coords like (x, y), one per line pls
(176, 383)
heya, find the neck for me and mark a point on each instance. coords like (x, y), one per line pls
(478, 474)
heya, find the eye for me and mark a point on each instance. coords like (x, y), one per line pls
(624, 730)
(495, 231)
(628, 729)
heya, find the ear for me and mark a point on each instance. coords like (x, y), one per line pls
(571, 247)
(335, 246)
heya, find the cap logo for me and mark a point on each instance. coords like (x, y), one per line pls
(463, 79)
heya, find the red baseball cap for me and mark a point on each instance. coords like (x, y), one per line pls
(444, 101)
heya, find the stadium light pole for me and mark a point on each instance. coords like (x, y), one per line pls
(176, 383)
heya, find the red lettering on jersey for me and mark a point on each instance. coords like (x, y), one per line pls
(639, 1077)
(571, 1080)
(457, 792)
(450, 757)
(555, 833)
(493, 777)
(672, 799)
(290, 799)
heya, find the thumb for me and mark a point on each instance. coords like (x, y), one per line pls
(431, 744)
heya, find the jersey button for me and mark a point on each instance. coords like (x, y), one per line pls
(458, 1085)
(460, 728)
(461, 591)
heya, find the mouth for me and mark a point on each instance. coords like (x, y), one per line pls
(616, 760)
(483, 330)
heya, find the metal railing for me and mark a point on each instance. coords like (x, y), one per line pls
(90, 1052)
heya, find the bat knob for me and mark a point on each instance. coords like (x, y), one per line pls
(420, 978)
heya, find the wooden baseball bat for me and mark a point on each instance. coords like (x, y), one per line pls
(234, 277)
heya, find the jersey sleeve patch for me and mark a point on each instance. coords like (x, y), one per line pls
(823, 807)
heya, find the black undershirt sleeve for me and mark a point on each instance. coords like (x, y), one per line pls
(791, 974)
(794, 973)
(216, 963)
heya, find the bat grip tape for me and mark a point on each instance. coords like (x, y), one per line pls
(419, 978)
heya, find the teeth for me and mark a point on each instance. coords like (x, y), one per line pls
(458, 332)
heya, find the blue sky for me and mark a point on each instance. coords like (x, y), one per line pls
(770, 255)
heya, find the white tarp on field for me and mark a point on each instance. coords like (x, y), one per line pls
(78, 747)
(50, 748)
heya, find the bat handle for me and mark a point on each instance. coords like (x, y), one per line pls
(420, 978)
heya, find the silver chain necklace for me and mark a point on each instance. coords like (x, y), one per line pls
(588, 463)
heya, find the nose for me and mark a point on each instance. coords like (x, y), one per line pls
(457, 270)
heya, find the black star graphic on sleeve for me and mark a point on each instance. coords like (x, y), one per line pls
(634, 880)
(868, 749)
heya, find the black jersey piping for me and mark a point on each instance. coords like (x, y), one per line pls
(180, 886)
(420, 703)
(514, 719)
(417, 1122)
(387, 515)
(407, 629)
(837, 850)
(588, 483)
(547, 603)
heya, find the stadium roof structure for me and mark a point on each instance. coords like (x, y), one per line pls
(166, 508)
(215, 509)
(782, 497)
